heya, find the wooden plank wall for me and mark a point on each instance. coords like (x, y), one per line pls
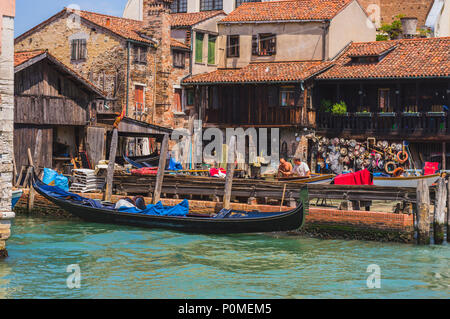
(44, 95)
(95, 144)
(25, 137)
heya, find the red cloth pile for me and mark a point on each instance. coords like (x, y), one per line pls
(430, 168)
(358, 178)
(217, 172)
(145, 171)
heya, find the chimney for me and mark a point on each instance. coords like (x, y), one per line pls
(409, 27)
(157, 25)
(108, 22)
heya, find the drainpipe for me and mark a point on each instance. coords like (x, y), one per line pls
(128, 75)
(154, 84)
(326, 27)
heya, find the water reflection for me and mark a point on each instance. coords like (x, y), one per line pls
(124, 262)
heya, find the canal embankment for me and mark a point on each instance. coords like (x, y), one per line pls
(320, 222)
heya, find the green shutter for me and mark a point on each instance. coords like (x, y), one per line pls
(211, 49)
(199, 47)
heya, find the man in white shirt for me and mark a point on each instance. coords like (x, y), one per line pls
(301, 169)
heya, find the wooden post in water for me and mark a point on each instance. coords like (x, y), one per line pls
(161, 169)
(230, 173)
(423, 213)
(439, 211)
(448, 209)
(31, 194)
(111, 163)
(37, 152)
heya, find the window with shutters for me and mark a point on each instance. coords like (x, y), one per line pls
(264, 44)
(78, 50)
(233, 46)
(178, 59)
(212, 49)
(199, 47)
(140, 54)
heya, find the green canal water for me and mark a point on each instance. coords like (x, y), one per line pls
(124, 262)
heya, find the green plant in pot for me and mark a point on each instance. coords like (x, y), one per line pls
(339, 108)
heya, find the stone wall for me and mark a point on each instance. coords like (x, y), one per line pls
(6, 126)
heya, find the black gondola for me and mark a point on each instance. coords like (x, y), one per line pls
(225, 222)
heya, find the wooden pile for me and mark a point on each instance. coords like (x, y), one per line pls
(85, 180)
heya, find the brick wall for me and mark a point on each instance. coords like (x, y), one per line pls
(389, 9)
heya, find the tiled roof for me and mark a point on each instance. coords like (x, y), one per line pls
(409, 59)
(22, 57)
(125, 28)
(371, 49)
(190, 19)
(262, 72)
(287, 10)
(177, 44)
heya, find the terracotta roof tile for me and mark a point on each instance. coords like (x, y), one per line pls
(190, 19)
(287, 10)
(262, 72)
(177, 44)
(22, 57)
(409, 59)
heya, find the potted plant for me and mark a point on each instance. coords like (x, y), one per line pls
(339, 109)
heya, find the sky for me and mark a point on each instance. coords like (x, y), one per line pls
(30, 13)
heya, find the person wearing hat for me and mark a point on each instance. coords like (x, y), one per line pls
(301, 168)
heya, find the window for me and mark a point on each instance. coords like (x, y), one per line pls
(177, 107)
(178, 6)
(233, 46)
(139, 110)
(383, 100)
(287, 96)
(178, 59)
(264, 44)
(208, 5)
(78, 50)
(199, 47)
(190, 97)
(239, 2)
(140, 54)
(272, 96)
(212, 49)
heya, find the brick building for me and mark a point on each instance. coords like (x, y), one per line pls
(385, 11)
(132, 61)
(7, 13)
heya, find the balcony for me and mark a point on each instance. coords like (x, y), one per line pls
(406, 124)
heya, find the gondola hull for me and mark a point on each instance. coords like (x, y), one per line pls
(258, 222)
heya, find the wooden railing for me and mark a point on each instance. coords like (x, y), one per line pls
(431, 123)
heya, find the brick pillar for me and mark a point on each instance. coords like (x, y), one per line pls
(6, 127)
(156, 19)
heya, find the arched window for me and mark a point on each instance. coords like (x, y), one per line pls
(179, 6)
(208, 5)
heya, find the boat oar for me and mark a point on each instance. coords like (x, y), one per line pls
(282, 198)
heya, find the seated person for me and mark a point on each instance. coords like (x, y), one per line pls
(285, 168)
(301, 169)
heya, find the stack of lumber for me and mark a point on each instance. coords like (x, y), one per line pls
(85, 180)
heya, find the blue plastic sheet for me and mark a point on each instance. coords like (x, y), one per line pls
(52, 178)
(174, 165)
(159, 209)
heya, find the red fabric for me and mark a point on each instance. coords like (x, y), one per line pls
(145, 171)
(430, 168)
(217, 172)
(358, 178)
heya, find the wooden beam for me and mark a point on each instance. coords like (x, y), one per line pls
(230, 173)
(161, 169)
(111, 163)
